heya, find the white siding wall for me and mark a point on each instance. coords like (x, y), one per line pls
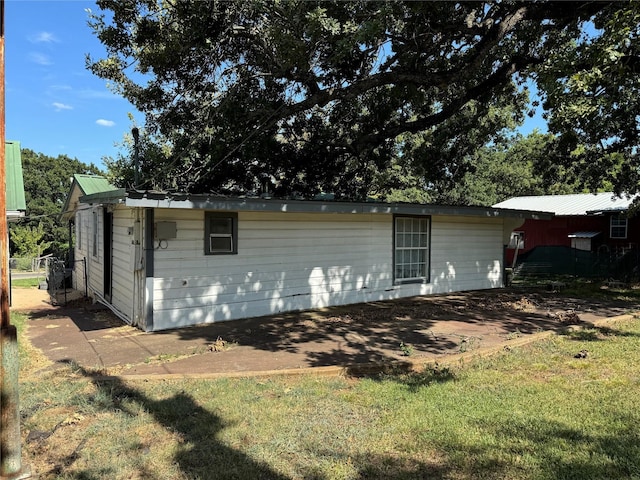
(122, 277)
(80, 249)
(298, 261)
(466, 254)
(95, 262)
(84, 249)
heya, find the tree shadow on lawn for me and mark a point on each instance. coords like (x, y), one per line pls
(530, 447)
(201, 455)
(206, 457)
(593, 333)
(560, 451)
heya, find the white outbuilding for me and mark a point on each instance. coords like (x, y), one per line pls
(163, 260)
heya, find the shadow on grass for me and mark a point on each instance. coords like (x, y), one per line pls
(592, 333)
(201, 455)
(562, 451)
(413, 380)
(550, 449)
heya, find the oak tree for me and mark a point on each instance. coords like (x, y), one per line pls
(314, 96)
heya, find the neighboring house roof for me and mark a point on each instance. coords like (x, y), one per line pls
(583, 234)
(82, 185)
(575, 204)
(16, 204)
(134, 198)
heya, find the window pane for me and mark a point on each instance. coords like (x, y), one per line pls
(398, 271)
(220, 243)
(411, 242)
(221, 225)
(618, 227)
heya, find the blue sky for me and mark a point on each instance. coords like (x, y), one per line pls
(54, 105)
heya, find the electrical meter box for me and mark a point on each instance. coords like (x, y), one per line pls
(165, 230)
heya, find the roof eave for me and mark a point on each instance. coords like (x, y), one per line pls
(133, 198)
(15, 215)
(603, 211)
(111, 196)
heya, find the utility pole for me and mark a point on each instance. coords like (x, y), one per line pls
(10, 441)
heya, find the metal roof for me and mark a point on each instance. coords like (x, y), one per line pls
(81, 185)
(583, 234)
(133, 198)
(90, 184)
(574, 204)
(15, 200)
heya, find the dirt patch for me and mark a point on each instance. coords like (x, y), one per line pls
(31, 299)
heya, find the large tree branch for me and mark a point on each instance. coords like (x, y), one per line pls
(478, 55)
(482, 90)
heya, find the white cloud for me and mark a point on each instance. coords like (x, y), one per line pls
(93, 94)
(43, 37)
(105, 123)
(40, 58)
(61, 106)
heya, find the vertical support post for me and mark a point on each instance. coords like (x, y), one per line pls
(86, 285)
(149, 220)
(4, 234)
(10, 446)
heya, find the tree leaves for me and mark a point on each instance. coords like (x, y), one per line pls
(46, 184)
(327, 95)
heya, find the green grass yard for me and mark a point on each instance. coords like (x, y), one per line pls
(26, 282)
(533, 412)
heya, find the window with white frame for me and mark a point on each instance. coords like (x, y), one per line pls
(221, 233)
(618, 226)
(411, 245)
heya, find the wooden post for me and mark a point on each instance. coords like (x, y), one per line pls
(4, 234)
(10, 441)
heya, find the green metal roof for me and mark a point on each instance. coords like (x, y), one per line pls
(14, 182)
(90, 184)
(82, 185)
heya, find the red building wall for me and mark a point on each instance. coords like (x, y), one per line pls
(555, 232)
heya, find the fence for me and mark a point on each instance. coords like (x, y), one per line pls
(558, 261)
(29, 264)
(59, 277)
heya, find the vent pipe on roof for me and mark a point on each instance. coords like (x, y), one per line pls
(136, 162)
